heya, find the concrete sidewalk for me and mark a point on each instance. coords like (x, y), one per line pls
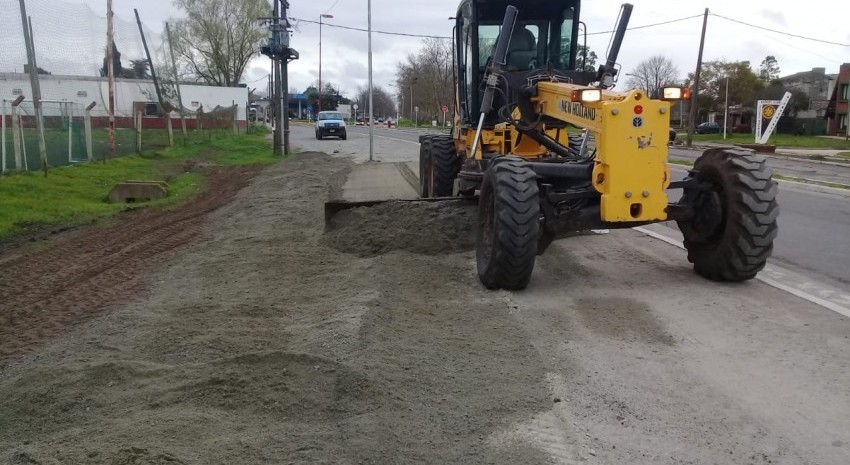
(819, 154)
(380, 181)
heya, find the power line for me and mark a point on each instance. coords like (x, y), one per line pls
(589, 33)
(648, 25)
(424, 36)
(780, 32)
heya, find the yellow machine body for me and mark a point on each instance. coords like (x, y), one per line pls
(631, 133)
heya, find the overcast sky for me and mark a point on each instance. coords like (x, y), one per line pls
(344, 56)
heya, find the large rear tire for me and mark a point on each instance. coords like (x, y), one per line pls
(508, 226)
(444, 167)
(731, 234)
(425, 167)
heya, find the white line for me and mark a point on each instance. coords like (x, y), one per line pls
(806, 296)
(660, 237)
(769, 281)
(390, 138)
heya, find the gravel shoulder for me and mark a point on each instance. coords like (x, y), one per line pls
(276, 341)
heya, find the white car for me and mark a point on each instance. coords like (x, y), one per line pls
(330, 123)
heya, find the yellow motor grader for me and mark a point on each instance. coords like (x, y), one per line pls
(551, 149)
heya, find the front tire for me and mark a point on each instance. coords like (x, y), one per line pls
(425, 167)
(444, 165)
(508, 226)
(731, 234)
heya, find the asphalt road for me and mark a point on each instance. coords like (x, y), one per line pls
(814, 237)
(647, 363)
(814, 169)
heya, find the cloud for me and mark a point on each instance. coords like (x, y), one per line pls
(774, 16)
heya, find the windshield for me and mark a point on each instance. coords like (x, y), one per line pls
(324, 116)
(535, 43)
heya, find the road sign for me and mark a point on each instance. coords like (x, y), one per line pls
(769, 112)
(445, 108)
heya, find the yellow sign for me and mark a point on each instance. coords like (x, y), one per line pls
(768, 111)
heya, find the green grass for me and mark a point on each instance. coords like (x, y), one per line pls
(681, 162)
(78, 193)
(780, 140)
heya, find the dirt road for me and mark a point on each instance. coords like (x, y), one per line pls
(274, 341)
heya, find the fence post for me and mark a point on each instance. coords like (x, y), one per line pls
(3, 165)
(87, 122)
(24, 143)
(139, 132)
(233, 117)
(16, 132)
(70, 132)
(170, 129)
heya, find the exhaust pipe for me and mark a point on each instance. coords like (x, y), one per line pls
(606, 72)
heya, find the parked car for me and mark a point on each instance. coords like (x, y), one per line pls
(709, 128)
(330, 123)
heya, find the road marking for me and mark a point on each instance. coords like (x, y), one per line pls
(386, 137)
(782, 279)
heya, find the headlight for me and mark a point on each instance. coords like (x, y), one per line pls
(587, 95)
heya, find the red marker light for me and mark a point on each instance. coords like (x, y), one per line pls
(638, 109)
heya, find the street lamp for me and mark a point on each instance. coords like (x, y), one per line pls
(320, 57)
(412, 82)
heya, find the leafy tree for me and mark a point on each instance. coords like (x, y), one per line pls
(799, 102)
(652, 74)
(586, 60)
(40, 70)
(744, 85)
(769, 69)
(116, 61)
(218, 38)
(330, 97)
(140, 68)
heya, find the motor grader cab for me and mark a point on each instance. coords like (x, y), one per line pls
(550, 149)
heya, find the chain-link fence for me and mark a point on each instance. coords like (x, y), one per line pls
(72, 135)
(71, 55)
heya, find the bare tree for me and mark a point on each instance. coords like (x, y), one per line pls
(218, 38)
(381, 99)
(427, 74)
(652, 74)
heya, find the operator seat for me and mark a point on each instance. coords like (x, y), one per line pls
(522, 50)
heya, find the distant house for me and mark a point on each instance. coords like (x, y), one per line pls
(839, 103)
(64, 96)
(821, 90)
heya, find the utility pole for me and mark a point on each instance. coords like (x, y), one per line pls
(371, 111)
(278, 50)
(284, 76)
(726, 109)
(36, 88)
(110, 76)
(695, 93)
(150, 62)
(277, 138)
(176, 82)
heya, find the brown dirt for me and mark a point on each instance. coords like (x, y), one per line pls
(428, 228)
(46, 288)
(263, 345)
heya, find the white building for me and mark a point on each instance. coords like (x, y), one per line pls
(59, 93)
